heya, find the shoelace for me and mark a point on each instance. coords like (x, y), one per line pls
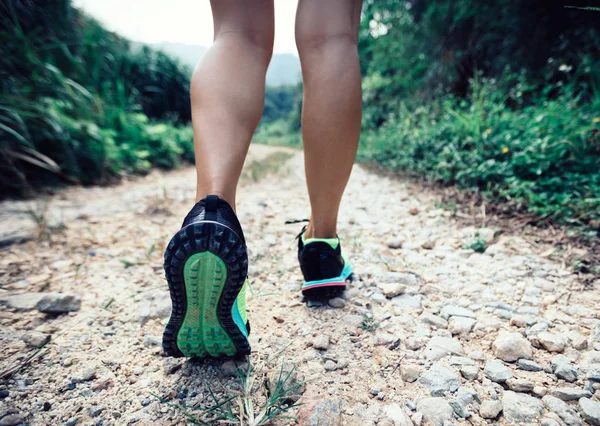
(294, 221)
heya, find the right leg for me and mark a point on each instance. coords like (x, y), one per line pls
(227, 91)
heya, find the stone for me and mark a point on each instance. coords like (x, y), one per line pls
(456, 311)
(440, 379)
(330, 365)
(563, 369)
(405, 278)
(36, 339)
(490, 409)
(22, 302)
(527, 365)
(384, 339)
(459, 409)
(286, 377)
(408, 301)
(325, 412)
(395, 243)
(461, 325)
(433, 320)
(337, 302)
(520, 385)
(155, 304)
(520, 407)
(232, 368)
(440, 347)
(59, 303)
(85, 375)
(391, 290)
(578, 341)
(571, 394)
(150, 341)
(496, 371)
(563, 410)
(435, 410)
(410, 372)
(171, 365)
(512, 346)
(397, 415)
(539, 391)
(590, 411)
(415, 342)
(13, 419)
(321, 342)
(469, 372)
(95, 411)
(552, 342)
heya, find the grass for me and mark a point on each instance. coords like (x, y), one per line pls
(478, 244)
(272, 164)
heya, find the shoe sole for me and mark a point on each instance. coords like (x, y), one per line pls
(328, 288)
(206, 265)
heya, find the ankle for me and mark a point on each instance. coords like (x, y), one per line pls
(313, 232)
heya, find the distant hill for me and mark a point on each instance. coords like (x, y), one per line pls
(284, 67)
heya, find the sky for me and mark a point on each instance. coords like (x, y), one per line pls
(181, 21)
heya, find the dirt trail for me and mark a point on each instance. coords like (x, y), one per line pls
(429, 332)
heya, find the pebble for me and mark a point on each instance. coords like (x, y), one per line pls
(469, 372)
(571, 394)
(407, 301)
(590, 411)
(397, 415)
(330, 365)
(72, 421)
(391, 290)
(490, 409)
(563, 410)
(395, 243)
(22, 302)
(512, 346)
(4, 393)
(59, 303)
(433, 320)
(496, 371)
(96, 411)
(563, 369)
(435, 410)
(520, 407)
(36, 339)
(520, 385)
(150, 341)
(552, 342)
(539, 391)
(410, 372)
(12, 420)
(84, 375)
(440, 380)
(325, 412)
(527, 365)
(337, 302)
(461, 325)
(456, 311)
(321, 342)
(440, 347)
(171, 365)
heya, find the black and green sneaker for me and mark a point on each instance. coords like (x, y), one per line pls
(206, 265)
(325, 269)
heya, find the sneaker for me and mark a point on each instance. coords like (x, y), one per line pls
(206, 265)
(324, 267)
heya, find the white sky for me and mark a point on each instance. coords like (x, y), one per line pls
(182, 21)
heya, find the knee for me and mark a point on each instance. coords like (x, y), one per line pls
(309, 42)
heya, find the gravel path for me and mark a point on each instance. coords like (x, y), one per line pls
(428, 333)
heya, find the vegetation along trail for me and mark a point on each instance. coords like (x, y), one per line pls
(429, 331)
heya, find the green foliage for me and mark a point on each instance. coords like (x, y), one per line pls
(76, 101)
(478, 244)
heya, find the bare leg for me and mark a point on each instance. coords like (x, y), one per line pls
(327, 38)
(227, 92)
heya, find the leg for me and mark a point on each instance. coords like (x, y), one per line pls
(327, 38)
(227, 93)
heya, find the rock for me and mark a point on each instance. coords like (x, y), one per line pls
(396, 415)
(563, 410)
(330, 365)
(571, 394)
(171, 365)
(578, 341)
(490, 409)
(59, 303)
(72, 421)
(12, 420)
(415, 342)
(439, 347)
(395, 243)
(96, 410)
(433, 320)
(496, 371)
(459, 409)
(461, 325)
(4, 393)
(410, 372)
(520, 385)
(352, 321)
(456, 311)
(469, 372)
(322, 413)
(321, 342)
(84, 375)
(337, 302)
(528, 365)
(22, 302)
(440, 380)
(512, 346)
(36, 339)
(284, 378)
(232, 368)
(539, 391)
(563, 369)
(384, 339)
(590, 411)
(520, 407)
(417, 419)
(552, 342)
(155, 304)
(408, 301)
(399, 277)
(486, 234)
(150, 341)
(435, 410)
(391, 290)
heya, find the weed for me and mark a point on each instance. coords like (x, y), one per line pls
(478, 244)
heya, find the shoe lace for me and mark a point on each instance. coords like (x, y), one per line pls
(294, 221)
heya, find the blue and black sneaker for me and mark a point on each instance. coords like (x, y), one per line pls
(206, 266)
(325, 269)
